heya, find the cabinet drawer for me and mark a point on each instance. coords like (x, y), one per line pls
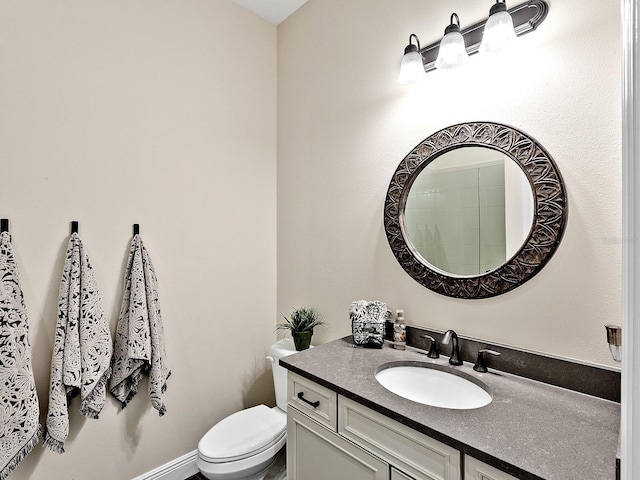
(316, 401)
(414, 453)
(476, 470)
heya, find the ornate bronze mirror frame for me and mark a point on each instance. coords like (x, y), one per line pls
(549, 209)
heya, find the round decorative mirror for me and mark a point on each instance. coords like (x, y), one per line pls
(475, 210)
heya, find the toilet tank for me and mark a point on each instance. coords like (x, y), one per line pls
(282, 348)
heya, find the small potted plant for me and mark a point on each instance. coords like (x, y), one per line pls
(300, 323)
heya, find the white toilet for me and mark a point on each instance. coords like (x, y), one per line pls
(246, 444)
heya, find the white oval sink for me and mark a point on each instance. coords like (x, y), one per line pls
(433, 387)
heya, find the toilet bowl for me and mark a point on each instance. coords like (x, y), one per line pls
(245, 445)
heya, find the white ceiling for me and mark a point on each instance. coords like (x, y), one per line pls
(273, 11)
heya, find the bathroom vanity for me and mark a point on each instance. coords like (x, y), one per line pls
(343, 424)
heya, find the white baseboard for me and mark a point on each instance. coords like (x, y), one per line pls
(178, 469)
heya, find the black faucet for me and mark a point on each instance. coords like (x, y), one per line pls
(451, 336)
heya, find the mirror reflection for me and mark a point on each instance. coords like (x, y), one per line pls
(469, 211)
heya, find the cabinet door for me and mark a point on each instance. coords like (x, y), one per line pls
(315, 453)
(416, 454)
(476, 470)
(398, 475)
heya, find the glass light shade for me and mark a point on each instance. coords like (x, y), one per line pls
(411, 69)
(614, 338)
(452, 52)
(498, 34)
(616, 352)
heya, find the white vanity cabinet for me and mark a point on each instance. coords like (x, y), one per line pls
(330, 436)
(476, 470)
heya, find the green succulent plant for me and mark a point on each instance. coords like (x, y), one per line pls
(301, 319)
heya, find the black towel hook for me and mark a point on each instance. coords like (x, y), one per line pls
(74, 227)
(4, 225)
(136, 228)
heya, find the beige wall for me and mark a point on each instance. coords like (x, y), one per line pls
(161, 113)
(344, 124)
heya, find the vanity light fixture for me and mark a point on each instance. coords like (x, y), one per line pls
(412, 66)
(525, 17)
(452, 52)
(499, 33)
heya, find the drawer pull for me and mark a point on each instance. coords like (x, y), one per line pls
(315, 404)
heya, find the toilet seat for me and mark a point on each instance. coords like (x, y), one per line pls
(248, 468)
(244, 434)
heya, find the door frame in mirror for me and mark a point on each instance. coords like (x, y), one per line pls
(549, 216)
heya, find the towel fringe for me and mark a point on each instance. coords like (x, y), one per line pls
(164, 385)
(89, 413)
(52, 444)
(23, 452)
(132, 393)
(157, 403)
(131, 386)
(99, 386)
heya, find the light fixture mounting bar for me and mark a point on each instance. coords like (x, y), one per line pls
(526, 18)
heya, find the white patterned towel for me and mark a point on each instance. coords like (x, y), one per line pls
(82, 349)
(19, 410)
(139, 347)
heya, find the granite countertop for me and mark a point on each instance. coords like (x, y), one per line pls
(530, 430)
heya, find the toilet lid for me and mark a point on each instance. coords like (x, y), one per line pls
(243, 434)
